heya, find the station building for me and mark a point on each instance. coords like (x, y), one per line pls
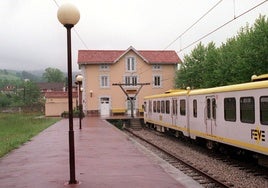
(111, 78)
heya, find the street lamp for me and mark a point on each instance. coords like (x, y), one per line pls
(79, 79)
(68, 15)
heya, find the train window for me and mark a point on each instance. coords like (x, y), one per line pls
(195, 108)
(230, 109)
(264, 110)
(182, 107)
(167, 107)
(162, 107)
(247, 110)
(208, 109)
(158, 106)
(154, 107)
(174, 107)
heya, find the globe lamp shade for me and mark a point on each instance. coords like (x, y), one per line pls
(79, 78)
(68, 14)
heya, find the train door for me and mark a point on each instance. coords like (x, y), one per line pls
(210, 114)
(174, 113)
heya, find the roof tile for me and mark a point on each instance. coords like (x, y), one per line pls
(110, 56)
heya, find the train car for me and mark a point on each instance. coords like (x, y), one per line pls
(235, 115)
(161, 111)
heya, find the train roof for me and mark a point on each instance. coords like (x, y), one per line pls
(172, 92)
(230, 88)
(262, 77)
(258, 82)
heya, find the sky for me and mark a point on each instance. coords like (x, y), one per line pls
(32, 38)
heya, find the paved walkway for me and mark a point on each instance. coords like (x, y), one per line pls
(105, 158)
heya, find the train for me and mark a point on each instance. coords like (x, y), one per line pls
(234, 115)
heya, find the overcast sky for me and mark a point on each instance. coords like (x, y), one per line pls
(31, 37)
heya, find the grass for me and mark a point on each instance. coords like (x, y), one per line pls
(16, 129)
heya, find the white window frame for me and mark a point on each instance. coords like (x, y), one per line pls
(104, 83)
(104, 67)
(130, 80)
(131, 64)
(158, 85)
(157, 67)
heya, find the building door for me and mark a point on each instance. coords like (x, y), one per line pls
(210, 114)
(104, 106)
(129, 106)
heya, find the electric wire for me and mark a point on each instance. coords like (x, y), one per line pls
(183, 33)
(193, 25)
(76, 32)
(198, 20)
(228, 22)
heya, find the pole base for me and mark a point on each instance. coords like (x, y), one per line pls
(69, 184)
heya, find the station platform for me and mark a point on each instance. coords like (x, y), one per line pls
(104, 156)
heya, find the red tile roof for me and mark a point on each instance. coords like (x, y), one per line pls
(59, 94)
(112, 56)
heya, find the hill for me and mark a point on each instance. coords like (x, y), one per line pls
(8, 75)
(19, 75)
(35, 76)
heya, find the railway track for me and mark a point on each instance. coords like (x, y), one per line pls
(202, 177)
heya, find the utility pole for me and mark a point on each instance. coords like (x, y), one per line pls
(126, 92)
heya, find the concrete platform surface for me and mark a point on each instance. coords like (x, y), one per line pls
(105, 158)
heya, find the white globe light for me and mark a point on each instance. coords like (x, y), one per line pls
(68, 14)
(79, 78)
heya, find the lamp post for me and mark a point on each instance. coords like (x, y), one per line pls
(68, 16)
(79, 79)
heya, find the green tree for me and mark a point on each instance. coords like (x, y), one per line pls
(53, 75)
(27, 94)
(4, 100)
(233, 62)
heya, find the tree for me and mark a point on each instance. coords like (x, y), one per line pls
(53, 75)
(4, 100)
(27, 95)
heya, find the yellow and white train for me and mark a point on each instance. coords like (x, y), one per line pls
(235, 115)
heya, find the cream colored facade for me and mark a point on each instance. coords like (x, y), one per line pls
(57, 102)
(101, 97)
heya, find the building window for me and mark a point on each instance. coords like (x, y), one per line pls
(156, 67)
(157, 81)
(230, 109)
(104, 67)
(131, 80)
(247, 110)
(131, 64)
(104, 81)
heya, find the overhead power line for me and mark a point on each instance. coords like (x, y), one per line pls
(76, 32)
(192, 25)
(222, 26)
